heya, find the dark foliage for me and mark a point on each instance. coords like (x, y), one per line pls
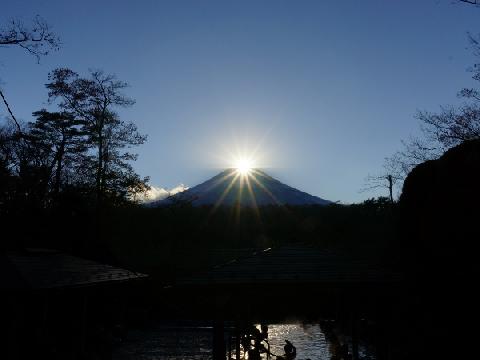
(92, 101)
(172, 241)
(439, 223)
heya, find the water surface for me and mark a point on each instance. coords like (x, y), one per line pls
(167, 342)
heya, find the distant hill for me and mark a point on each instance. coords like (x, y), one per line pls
(230, 188)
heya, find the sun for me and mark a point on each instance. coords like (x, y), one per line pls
(244, 166)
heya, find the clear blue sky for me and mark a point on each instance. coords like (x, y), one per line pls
(326, 89)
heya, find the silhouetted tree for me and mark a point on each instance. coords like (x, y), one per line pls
(93, 100)
(38, 40)
(59, 134)
(386, 180)
(24, 171)
(439, 132)
(7, 179)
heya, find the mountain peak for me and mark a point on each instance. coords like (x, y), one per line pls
(253, 188)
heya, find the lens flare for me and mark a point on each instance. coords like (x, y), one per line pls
(244, 166)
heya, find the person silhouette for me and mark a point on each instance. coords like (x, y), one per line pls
(290, 350)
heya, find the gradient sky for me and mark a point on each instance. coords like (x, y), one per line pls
(324, 89)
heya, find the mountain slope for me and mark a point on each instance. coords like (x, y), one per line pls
(254, 189)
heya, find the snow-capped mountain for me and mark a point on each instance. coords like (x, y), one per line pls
(253, 189)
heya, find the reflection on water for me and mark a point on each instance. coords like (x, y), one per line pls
(195, 343)
(308, 339)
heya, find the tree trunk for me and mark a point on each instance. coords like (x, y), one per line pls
(58, 172)
(390, 187)
(99, 168)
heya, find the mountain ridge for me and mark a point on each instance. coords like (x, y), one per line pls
(255, 188)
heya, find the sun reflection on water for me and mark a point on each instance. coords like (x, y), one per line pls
(307, 338)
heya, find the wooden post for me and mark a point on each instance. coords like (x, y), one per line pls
(218, 340)
(354, 336)
(237, 340)
(45, 310)
(229, 344)
(83, 326)
(15, 315)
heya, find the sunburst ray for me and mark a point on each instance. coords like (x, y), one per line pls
(264, 188)
(254, 200)
(225, 193)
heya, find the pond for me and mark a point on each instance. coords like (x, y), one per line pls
(194, 342)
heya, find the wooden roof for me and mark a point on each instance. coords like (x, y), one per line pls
(294, 265)
(48, 269)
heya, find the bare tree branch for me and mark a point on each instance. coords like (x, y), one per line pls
(17, 124)
(37, 39)
(471, 2)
